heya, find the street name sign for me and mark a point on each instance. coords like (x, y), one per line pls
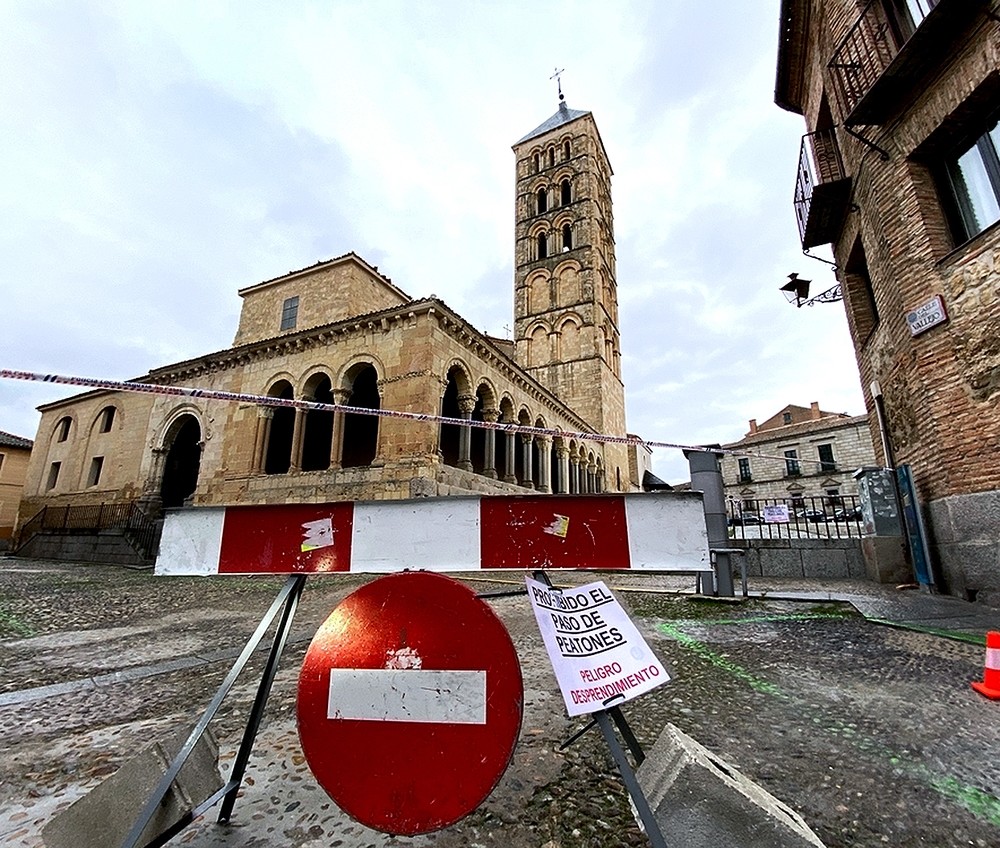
(598, 655)
(409, 703)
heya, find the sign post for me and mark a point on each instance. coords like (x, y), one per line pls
(410, 702)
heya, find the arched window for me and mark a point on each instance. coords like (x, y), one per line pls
(278, 458)
(183, 461)
(566, 149)
(361, 430)
(62, 429)
(107, 419)
(552, 156)
(565, 193)
(543, 246)
(538, 163)
(567, 234)
(317, 434)
(543, 201)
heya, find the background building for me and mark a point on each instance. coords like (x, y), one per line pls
(899, 173)
(14, 455)
(341, 332)
(807, 458)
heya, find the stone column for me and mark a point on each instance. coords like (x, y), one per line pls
(544, 464)
(340, 398)
(466, 404)
(591, 478)
(298, 433)
(490, 465)
(562, 479)
(528, 474)
(260, 438)
(510, 461)
(574, 475)
(150, 497)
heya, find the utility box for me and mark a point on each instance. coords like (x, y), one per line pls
(882, 542)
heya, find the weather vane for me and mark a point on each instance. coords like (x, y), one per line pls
(556, 77)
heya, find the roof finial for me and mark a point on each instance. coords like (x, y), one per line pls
(555, 76)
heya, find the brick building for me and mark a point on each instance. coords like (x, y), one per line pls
(14, 455)
(899, 173)
(342, 332)
(805, 456)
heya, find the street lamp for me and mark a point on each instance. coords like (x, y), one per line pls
(797, 291)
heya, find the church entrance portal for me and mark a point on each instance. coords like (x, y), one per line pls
(180, 472)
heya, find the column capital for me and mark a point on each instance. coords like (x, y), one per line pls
(265, 412)
(466, 404)
(491, 414)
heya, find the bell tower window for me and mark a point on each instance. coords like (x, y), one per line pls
(543, 201)
(565, 193)
(543, 246)
(567, 237)
(566, 150)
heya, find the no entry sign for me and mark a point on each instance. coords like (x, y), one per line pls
(409, 703)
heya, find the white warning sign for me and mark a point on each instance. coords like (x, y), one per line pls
(599, 657)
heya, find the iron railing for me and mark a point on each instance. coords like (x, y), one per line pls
(127, 517)
(864, 54)
(820, 164)
(827, 517)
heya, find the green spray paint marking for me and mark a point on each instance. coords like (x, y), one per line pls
(981, 804)
(9, 622)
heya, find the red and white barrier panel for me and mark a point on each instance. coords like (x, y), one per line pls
(663, 532)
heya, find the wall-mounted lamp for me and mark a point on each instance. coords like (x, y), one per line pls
(797, 291)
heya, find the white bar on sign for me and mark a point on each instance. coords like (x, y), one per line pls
(191, 541)
(667, 531)
(419, 695)
(435, 534)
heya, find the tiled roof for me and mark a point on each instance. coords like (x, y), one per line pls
(9, 440)
(791, 431)
(563, 116)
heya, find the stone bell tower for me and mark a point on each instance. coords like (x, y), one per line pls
(565, 292)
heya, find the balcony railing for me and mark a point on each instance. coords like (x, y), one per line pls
(822, 189)
(889, 49)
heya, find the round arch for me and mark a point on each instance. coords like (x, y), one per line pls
(182, 441)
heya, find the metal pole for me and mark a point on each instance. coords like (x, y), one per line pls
(164, 785)
(706, 477)
(646, 816)
(263, 690)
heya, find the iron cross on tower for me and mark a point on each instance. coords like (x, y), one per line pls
(556, 77)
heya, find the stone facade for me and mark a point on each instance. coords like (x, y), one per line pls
(905, 144)
(14, 455)
(828, 448)
(340, 332)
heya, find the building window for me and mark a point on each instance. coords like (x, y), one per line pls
(542, 201)
(62, 429)
(1, 461)
(786, 418)
(833, 497)
(826, 461)
(567, 234)
(289, 313)
(744, 470)
(566, 150)
(50, 484)
(792, 468)
(973, 184)
(96, 466)
(859, 294)
(543, 246)
(552, 156)
(538, 163)
(107, 419)
(565, 193)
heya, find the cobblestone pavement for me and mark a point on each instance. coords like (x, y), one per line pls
(871, 733)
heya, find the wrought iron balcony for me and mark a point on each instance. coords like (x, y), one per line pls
(891, 47)
(822, 189)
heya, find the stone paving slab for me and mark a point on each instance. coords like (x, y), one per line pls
(871, 733)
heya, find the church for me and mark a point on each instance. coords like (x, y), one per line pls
(341, 332)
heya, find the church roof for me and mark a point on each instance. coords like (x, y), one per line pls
(563, 116)
(9, 440)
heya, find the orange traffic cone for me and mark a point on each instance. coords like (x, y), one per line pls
(990, 687)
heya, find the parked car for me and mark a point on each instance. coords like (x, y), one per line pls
(745, 518)
(850, 514)
(810, 515)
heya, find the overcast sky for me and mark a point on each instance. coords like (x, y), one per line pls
(156, 157)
